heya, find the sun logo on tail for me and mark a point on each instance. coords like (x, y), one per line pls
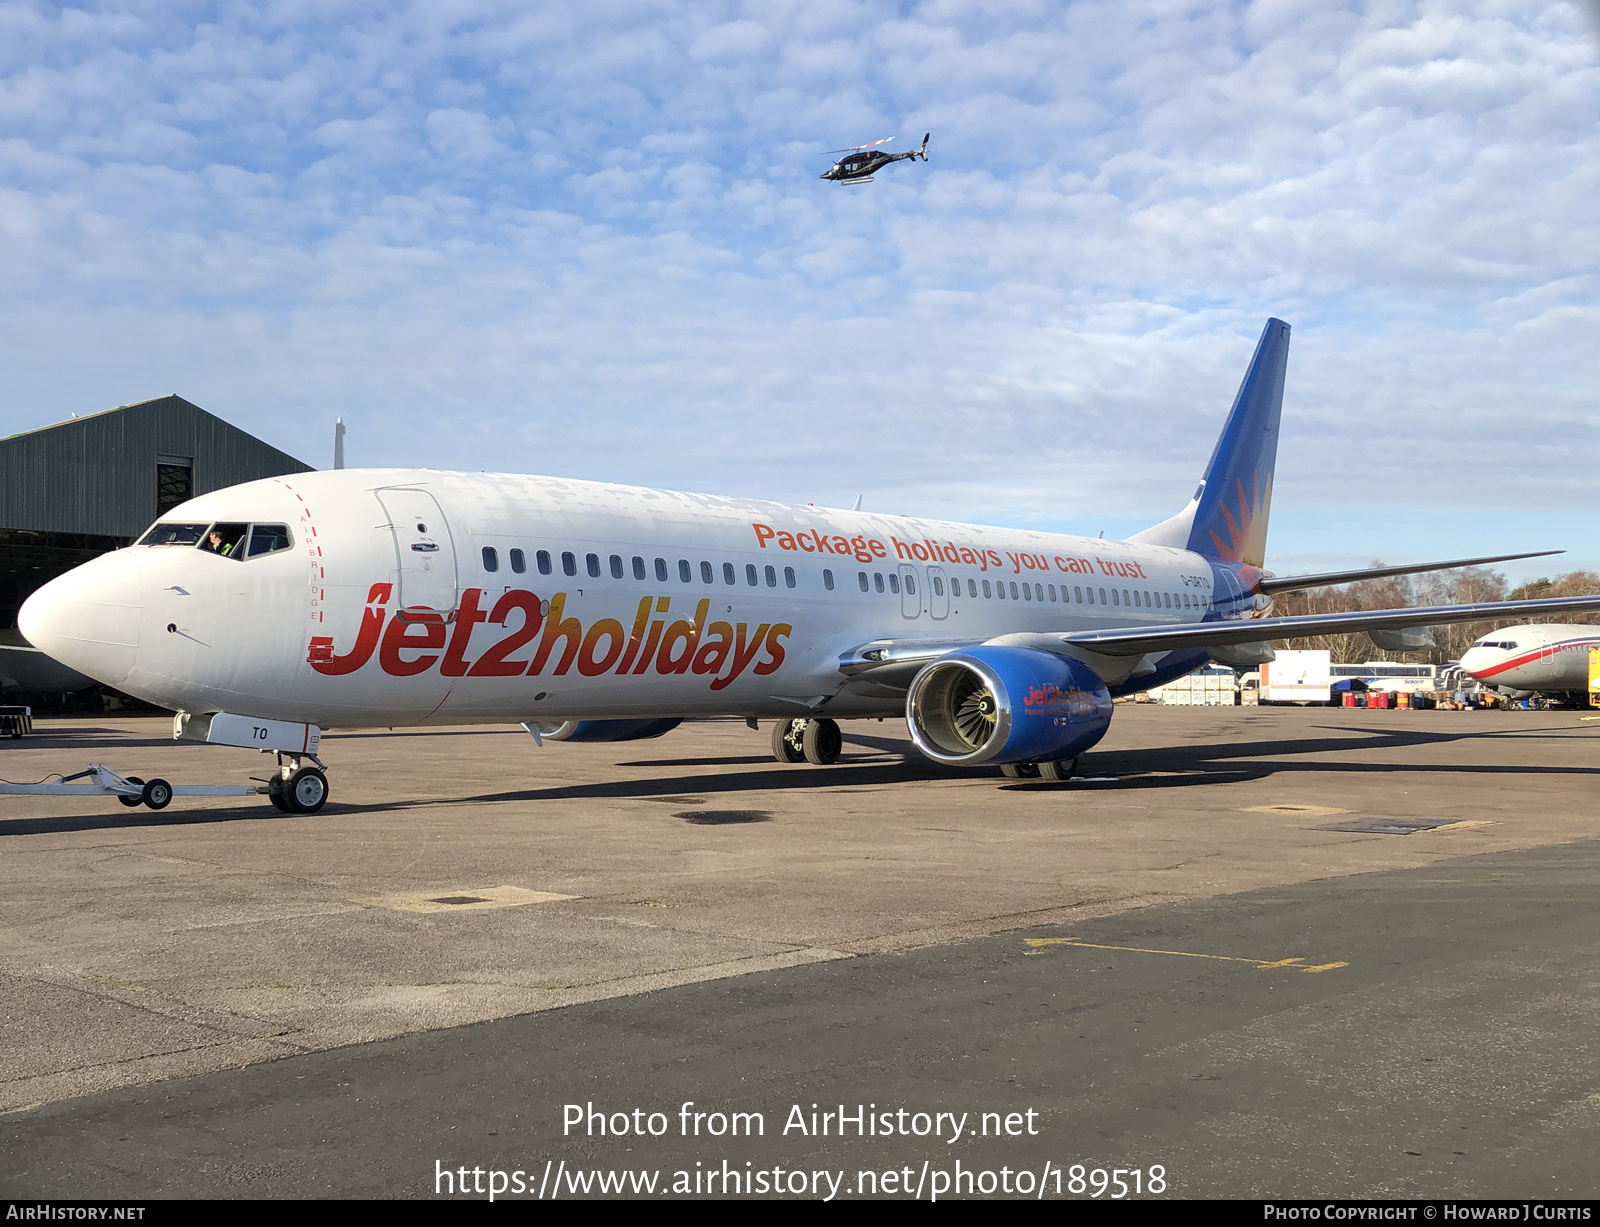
(1246, 521)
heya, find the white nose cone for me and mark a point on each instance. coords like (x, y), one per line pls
(88, 619)
(1474, 659)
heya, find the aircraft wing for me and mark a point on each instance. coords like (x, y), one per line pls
(895, 661)
(1136, 641)
(1294, 583)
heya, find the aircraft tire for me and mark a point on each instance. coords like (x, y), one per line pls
(1019, 771)
(132, 802)
(1061, 769)
(786, 744)
(305, 791)
(822, 742)
(157, 794)
(275, 794)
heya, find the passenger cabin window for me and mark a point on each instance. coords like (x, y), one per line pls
(225, 539)
(616, 566)
(519, 561)
(772, 577)
(911, 584)
(543, 559)
(894, 581)
(827, 579)
(729, 576)
(1102, 596)
(750, 574)
(1027, 592)
(269, 539)
(788, 577)
(684, 572)
(638, 567)
(938, 586)
(706, 574)
(661, 570)
(877, 580)
(174, 534)
(861, 577)
(491, 560)
(1013, 590)
(592, 562)
(986, 591)
(972, 587)
(569, 563)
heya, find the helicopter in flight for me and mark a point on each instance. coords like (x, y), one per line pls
(863, 160)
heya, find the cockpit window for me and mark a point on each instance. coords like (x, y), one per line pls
(174, 534)
(225, 539)
(269, 539)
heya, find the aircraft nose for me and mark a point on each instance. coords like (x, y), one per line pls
(1475, 659)
(88, 619)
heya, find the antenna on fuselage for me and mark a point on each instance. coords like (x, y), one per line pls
(338, 443)
(856, 506)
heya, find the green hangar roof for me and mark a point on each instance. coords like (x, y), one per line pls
(113, 473)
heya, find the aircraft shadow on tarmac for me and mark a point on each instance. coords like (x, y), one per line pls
(893, 761)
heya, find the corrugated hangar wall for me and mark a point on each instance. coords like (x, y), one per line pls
(104, 473)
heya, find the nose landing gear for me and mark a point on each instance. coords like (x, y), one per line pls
(296, 788)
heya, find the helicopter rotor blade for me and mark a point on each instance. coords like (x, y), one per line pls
(859, 148)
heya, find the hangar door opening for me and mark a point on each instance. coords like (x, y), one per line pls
(427, 555)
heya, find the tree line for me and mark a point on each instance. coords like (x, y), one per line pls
(1466, 586)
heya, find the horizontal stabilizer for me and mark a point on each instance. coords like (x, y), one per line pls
(1138, 641)
(1295, 583)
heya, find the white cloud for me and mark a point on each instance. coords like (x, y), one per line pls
(593, 241)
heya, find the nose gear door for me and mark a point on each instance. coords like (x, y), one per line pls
(424, 548)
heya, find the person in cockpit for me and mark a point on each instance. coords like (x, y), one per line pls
(224, 539)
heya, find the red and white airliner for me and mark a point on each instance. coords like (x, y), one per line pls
(1541, 658)
(267, 612)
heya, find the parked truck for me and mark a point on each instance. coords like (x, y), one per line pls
(1297, 677)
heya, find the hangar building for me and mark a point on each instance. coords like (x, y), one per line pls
(72, 491)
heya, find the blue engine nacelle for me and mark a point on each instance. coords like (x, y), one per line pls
(607, 730)
(1006, 705)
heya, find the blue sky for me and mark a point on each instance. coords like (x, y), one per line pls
(590, 240)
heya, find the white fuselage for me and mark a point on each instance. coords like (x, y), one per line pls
(628, 601)
(1540, 658)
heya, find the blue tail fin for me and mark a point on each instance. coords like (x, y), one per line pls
(1227, 518)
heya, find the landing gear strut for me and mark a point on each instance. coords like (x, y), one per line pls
(296, 788)
(806, 739)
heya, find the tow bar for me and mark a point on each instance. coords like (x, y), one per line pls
(130, 790)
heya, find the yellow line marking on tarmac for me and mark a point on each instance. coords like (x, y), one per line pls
(1466, 824)
(1299, 811)
(1260, 964)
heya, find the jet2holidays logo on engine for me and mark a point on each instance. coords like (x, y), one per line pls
(414, 641)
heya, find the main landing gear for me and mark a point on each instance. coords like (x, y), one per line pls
(296, 788)
(1061, 769)
(808, 739)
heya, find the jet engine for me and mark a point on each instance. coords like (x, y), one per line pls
(1006, 705)
(605, 730)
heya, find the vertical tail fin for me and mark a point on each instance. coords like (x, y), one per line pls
(1227, 518)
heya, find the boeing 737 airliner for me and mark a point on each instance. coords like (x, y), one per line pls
(269, 611)
(1522, 661)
